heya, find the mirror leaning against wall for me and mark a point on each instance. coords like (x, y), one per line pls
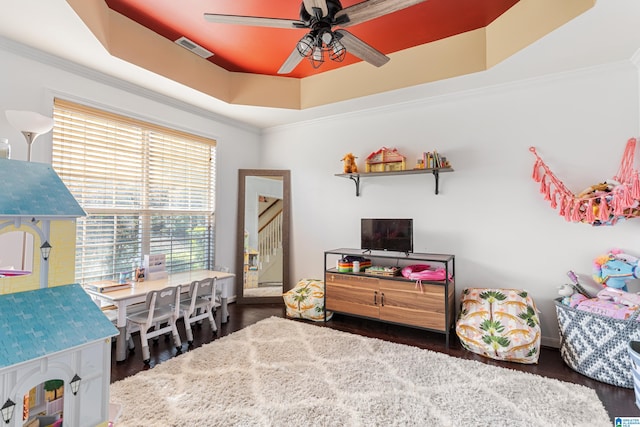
(264, 200)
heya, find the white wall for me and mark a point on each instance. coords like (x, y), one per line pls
(30, 79)
(489, 212)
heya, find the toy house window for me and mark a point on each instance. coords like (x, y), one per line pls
(44, 403)
(16, 253)
(147, 189)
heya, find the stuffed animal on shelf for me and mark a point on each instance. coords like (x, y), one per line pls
(349, 163)
(615, 269)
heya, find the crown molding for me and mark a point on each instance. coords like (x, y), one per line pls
(463, 93)
(100, 77)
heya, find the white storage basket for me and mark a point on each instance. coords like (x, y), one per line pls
(596, 345)
(634, 354)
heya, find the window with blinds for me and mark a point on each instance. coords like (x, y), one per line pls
(146, 190)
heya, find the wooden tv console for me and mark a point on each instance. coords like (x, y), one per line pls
(394, 299)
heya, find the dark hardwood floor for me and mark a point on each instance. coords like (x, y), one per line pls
(619, 402)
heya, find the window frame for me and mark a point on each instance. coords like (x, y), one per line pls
(181, 183)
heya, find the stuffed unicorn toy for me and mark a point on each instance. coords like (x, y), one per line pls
(615, 269)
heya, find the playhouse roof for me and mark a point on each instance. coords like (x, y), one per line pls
(35, 190)
(388, 154)
(45, 321)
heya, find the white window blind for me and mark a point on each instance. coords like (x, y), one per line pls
(146, 190)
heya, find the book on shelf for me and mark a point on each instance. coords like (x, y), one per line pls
(436, 159)
(103, 287)
(430, 159)
(433, 160)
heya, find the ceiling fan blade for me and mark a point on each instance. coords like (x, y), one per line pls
(371, 9)
(357, 47)
(320, 4)
(254, 21)
(292, 62)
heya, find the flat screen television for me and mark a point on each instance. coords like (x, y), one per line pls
(386, 234)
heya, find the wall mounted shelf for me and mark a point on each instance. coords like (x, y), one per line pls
(355, 177)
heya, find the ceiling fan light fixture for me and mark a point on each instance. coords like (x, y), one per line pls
(305, 45)
(338, 51)
(327, 38)
(317, 58)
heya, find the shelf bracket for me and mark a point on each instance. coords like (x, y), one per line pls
(436, 175)
(356, 179)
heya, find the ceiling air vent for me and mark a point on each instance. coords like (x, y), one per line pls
(193, 47)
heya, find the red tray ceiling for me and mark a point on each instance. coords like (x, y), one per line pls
(263, 50)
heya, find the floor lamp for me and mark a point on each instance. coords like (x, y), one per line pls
(31, 124)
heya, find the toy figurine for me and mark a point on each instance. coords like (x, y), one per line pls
(349, 163)
(615, 269)
(139, 274)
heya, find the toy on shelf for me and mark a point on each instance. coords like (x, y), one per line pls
(433, 160)
(346, 264)
(425, 272)
(349, 164)
(615, 269)
(385, 160)
(379, 270)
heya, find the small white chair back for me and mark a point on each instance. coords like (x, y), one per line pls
(161, 306)
(203, 288)
(200, 305)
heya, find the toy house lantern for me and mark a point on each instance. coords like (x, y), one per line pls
(385, 160)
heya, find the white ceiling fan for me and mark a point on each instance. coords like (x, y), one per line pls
(319, 17)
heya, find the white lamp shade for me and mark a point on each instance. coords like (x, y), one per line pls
(29, 121)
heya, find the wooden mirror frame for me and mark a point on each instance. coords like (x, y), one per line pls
(286, 204)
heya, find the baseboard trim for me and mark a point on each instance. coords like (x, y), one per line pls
(550, 342)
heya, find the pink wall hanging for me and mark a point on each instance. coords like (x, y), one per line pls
(600, 204)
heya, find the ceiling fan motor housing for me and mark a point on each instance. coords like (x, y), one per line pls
(333, 7)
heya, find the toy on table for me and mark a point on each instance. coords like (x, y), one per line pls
(615, 269)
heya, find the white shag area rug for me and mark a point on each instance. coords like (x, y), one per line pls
(281, 372)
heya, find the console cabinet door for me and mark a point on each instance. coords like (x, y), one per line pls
(352, 294)
(407, 304)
